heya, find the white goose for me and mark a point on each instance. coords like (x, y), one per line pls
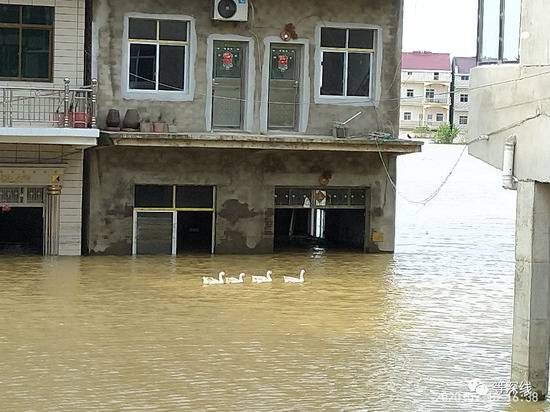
(240, 279)
(263, 279)
(207, 280)
(290, 279)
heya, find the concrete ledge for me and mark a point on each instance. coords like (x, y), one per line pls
(261, 142)
(49, 135)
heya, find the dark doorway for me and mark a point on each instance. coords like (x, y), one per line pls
(21, 231)
(345, 229)
(195, 232)
(292, 227)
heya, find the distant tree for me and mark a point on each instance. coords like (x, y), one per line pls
(446, 134)
(423, 132)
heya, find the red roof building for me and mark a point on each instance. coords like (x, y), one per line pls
(424, 60)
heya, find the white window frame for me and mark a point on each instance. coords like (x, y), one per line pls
(438, 115)
(461, 122)
(464, 98)
(411, 94)
(376, 67)
(188, 94)
(465, 77)
(436, 75)
(426, 94)
(407, 114)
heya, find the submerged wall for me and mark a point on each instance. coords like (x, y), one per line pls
(244, 180)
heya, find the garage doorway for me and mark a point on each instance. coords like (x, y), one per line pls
(21, 220)
(170, 219)
(329, 218)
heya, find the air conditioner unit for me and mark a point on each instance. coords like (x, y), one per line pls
(231, 10)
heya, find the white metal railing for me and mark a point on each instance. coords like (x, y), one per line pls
(437, 100)
(61, 107)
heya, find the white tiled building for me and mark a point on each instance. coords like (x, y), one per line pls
(425, 90)
(461, 103)
(47, 119)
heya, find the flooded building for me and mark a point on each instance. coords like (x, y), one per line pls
(46, 121)
(232, 126)
(510, 118)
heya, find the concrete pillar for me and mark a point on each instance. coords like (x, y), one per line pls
(530, 344)
(52, 215)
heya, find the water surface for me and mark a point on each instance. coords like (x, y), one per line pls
(402, 332)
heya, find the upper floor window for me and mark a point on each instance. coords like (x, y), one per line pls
(348, 64)
(410, 93)
(158, 63)
(407, 116)
(466, 78)
(463, 120)
(430, 93)
(409, 73)
(464, 98)
(436, 76)
(26, 42)
(439, 117)
(499, 26)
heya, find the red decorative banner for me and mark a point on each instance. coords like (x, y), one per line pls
(283, 62)
(228, 60)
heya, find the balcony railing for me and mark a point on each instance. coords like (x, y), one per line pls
(437, 100)
(61, 107)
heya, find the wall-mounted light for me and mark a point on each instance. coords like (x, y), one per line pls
(289, 33)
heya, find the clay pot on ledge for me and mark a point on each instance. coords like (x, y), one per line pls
(132, 120)
(113, 120)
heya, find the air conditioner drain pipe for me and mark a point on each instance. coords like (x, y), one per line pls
(508, 180)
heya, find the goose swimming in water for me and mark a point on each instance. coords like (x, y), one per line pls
(263, 279)
(240, 279)
(290, 279)
(206, 280)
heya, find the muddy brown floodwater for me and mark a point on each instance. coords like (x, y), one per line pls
(403, 332)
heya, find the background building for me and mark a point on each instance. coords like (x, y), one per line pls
(510, 119)
(235, 151)
(47, 119)
(460, 98)
(425, 90)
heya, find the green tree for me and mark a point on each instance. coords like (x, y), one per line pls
(446, 134)
(423, 132)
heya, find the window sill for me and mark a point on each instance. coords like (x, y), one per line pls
(346, 101)
(162, 96)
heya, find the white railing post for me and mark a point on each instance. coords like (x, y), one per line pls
(66, 93)
(94, 103)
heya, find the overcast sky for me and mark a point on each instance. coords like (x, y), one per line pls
(441, 26)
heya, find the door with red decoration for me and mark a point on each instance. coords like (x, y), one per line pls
(228, 85)
(284, 87)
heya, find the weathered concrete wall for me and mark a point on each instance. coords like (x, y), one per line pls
(245, 180)
(514, 99)
(270, 19)
(530, 348)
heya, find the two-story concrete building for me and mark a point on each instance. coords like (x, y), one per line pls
(510, 119)
(425, 90)
(238, 104)
(46, 121)
(460, 96)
